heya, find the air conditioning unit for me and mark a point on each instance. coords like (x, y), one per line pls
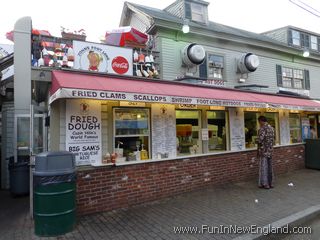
(247, 63)
(218, 64)
(193, 54)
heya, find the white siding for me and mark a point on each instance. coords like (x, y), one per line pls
(104, 130)
(6, 141)
(62, 107)
(139, 22)
(265, 74)
(280, 35)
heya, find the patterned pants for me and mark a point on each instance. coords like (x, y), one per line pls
(266, 176)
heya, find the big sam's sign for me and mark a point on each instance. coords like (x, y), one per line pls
(83, 130)
(102, 58)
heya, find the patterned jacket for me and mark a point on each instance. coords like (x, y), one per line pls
(265, 141)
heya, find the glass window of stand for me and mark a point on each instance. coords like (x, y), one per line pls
(217, 131)
(188, 129)
(132, 133)
(273, 120)
(251, 124)
(295, 128)
(251, 128)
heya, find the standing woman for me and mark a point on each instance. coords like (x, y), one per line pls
(265, 152)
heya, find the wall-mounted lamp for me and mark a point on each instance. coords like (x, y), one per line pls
(306, 53)
(185, 27)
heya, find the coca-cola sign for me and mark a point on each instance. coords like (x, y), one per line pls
(102, 58)
(120, 65)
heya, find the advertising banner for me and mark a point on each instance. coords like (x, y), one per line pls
(83, 131)
(102, 58)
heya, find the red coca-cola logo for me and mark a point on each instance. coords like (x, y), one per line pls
(120, 65)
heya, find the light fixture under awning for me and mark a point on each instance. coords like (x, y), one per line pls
(66, 84)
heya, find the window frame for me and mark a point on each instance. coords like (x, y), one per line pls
(299, 130)
(222, 69)
(277, 132)
(314, 43)
(114, 136)
(227, 133)
(202, 14)
(295, 38)
(200, 125)
(293, 78)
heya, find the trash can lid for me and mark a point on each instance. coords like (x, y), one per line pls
(54, 163)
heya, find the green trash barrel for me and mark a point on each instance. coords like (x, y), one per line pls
(312, 158)
(54, 194)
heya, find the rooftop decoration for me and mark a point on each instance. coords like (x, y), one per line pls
(126, 37)
(73, 35)
(9, 35)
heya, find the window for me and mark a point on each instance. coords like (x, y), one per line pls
(305, 40)
(217, 130)
(314, 43)
(295, 128)
(273, 120)
(215, 66)
(251, 128)
(132, 133)
(292, 78)
(251, 125)
(197, 13)
(295, 37)
(188, 130)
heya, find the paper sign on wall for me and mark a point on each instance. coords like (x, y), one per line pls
(237, 136)
(102, 58)
(305, 123)
(83, 131)
(204, 134)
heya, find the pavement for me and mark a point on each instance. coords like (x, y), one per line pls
(296, 197)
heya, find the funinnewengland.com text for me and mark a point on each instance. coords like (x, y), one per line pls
(234, 229)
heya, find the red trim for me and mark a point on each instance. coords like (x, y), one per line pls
(65, 79)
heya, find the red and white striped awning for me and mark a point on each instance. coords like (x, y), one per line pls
(67, 84)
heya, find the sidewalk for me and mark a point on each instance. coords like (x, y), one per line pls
(241, 204)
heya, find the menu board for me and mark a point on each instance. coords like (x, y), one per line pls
(237, 136)
(83, 131)
(284, 127)
(163, 131)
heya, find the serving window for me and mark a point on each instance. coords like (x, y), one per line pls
(132, 133)
(217, 131)
(295, 128)
(251, 128)
(251, 124)
(188, 125)
(273, 120)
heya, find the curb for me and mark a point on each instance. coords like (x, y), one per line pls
(293, 220)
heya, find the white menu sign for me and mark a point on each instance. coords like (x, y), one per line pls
(237, 136)
(83, 131)
(164, 144)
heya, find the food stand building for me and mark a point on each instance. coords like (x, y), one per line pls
(167, 136)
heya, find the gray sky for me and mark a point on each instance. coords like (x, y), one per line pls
(98, 16)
